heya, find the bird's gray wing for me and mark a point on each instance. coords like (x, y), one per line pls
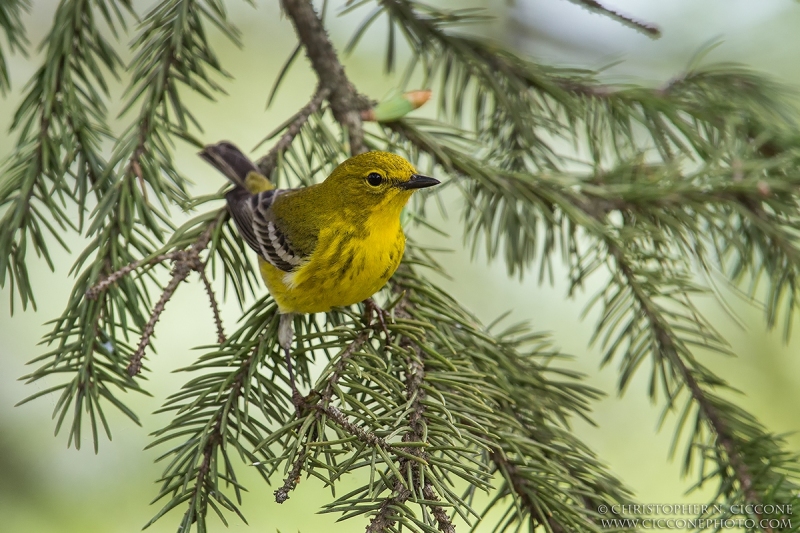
(255, 220)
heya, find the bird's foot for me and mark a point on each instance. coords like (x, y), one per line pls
(304, 404)
(370, 308)
(299, 401)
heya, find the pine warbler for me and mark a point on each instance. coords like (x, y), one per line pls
(335, 243)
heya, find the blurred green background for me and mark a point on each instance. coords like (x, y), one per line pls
(46, 487)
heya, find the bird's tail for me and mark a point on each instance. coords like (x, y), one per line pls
(236, 166)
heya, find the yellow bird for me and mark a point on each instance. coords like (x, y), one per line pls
(332, 244)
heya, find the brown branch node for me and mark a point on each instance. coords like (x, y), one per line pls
(443, 522)
(292, 479)
(360, 433)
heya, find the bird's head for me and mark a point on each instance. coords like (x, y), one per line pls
(377, 180)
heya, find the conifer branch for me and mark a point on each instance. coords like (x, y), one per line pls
(383, 520)
(93, 292)
(213, 412)
(159, 70)
(185, 263)
(666, 344)
(323, 407)
(669, 347)
(91, 335)
(212, 300)
(11, 24)
(180, 272)
(523, 489)
(415, 396)
(342, 361)
(360, 433)
(443, 521)
(61, 123)
(596, 204)
(723, 436)
(346, 102)
(203, 488)
(289, 484)
(650, 30)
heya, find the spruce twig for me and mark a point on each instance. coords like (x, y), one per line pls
(185, 263)
(645, 27)
(346, 102)
(212, 300)
(93, 292)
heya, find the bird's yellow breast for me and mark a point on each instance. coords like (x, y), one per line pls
(348, 265)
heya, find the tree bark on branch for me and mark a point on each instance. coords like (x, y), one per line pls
(346, 102)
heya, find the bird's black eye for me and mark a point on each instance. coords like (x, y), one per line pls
(374, 179)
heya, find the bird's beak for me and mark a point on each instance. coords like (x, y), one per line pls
(418, 182)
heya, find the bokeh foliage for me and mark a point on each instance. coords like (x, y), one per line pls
(559, 172)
